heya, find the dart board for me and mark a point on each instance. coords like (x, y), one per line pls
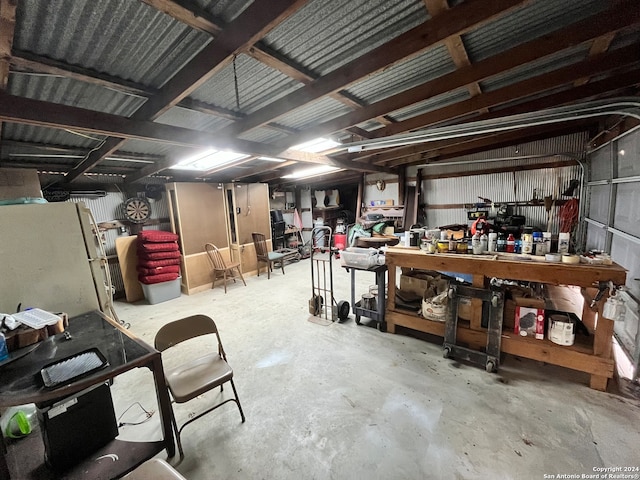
(137, 209)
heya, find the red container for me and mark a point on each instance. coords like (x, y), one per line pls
(340, 241)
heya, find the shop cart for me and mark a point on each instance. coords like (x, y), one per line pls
(493, 306)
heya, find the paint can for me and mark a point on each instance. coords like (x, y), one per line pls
(562, 329)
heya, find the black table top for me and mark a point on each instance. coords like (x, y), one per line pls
(21, 381)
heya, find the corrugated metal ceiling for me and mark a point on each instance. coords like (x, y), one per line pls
(127, 39)
(355, 28)
(522, 25)
(258, 85)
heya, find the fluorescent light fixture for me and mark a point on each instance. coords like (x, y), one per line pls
(271, 159)
(316, 145)
(312, 172)
(209, 159)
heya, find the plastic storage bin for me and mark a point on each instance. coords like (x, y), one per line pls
(358, 257)
(161, 292)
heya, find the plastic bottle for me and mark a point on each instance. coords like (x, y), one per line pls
(527, 241)
(511, 243)
(18, 421)
(4, 353)
(493, 242)
(502, 242)
(518, 246)
(484, 243)
(475, 244)
(563, 242)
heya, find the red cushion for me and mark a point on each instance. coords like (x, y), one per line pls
(158, 270)
(163, 277)
(158, 255)
(158, 247)
(157, 236)
(158, 263)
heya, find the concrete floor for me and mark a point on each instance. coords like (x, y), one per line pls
(348, 402)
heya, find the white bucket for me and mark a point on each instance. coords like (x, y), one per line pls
(562, 329)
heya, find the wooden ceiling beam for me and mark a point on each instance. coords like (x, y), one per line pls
(246, 29)
(7, 27)
(458, 20)
(583, 92)
(599, 45)
(253, 23)
(458, 148)
(455, 45)
(621, 16)
(30, 62)
(191, 15)
(595, 65)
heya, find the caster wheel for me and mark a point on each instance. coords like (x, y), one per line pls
(446, 352)
(343, 310)
(490, 366)
(358, 319)
(382, 326)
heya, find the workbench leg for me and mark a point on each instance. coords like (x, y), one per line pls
(602, 345)
(391, 300)
(598, 382)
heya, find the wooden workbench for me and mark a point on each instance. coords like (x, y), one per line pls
(594, 358)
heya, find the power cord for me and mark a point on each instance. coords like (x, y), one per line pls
(148, 415)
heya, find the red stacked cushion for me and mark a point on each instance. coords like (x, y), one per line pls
(158, 256)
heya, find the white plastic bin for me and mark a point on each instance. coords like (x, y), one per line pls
(161, 292)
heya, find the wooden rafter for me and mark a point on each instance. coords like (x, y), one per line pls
(407, 155)
(454, 44)
(599, 45)
(584, 92)
(458, 20)
(199, 19)
(7, 27)
(619, 17)
(36, 112)
(592, 66)
(253, 23)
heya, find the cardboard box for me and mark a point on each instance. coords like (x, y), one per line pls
(518, 296)
(19, 183)
(529, 322)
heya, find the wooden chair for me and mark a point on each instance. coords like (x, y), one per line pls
(219, 266)
(264, 255)
(195, 373)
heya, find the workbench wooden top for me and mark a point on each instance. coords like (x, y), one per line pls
(508, 266)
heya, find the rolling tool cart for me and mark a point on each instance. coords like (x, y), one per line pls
(370, 307)
(322, 302)
(493, 305)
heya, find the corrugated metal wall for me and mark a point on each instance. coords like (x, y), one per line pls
(511, 183)
(506, 187)
(108, 208)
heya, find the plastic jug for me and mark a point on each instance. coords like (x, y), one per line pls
(18, 421)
